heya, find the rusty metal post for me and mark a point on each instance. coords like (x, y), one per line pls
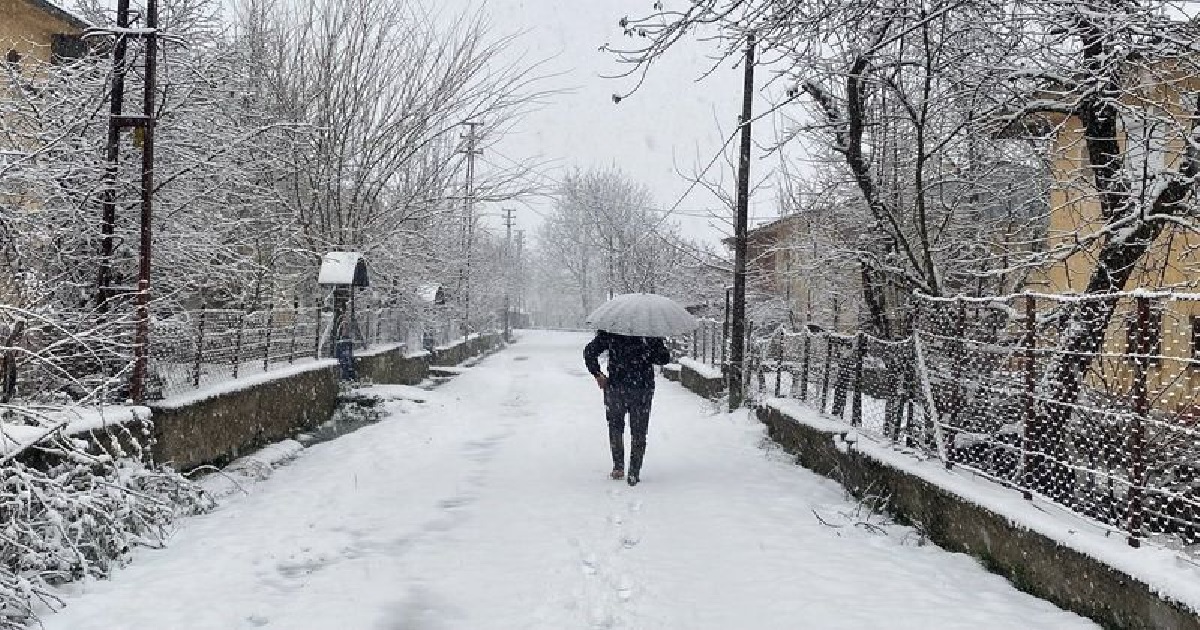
(199, 360)
(712, 343)
(804, 365)
(237, 341)
(1029, 413)
(141, 343)
(295, 329)
(860, 351)
(108, 196)
(828, 368)
(959, 361)
(779, 367)
(317, 333)
(1137, 428)
(267, 337)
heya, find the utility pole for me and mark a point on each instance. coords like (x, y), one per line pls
(521, 271)
(737, 351)
(508, 272)
(468, 235)
(141, 343)
(108, 198)
(143, 126)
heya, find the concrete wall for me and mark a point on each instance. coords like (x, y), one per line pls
(700, 384)
(220, 428)
(1032, 562)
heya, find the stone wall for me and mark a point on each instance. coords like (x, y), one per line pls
(700, 384)
(1033, 562)
(219, 428)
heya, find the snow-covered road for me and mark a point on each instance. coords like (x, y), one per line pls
(488, 507)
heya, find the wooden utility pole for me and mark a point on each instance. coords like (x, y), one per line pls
(737, 351)
(468, 233)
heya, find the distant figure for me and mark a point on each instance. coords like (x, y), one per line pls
(628, 389)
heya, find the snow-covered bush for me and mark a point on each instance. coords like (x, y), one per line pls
(72, 510)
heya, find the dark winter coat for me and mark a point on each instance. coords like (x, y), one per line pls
(631, 360)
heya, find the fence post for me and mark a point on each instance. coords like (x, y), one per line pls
(958, 359)
(317, 334)
(712, 344)
(825, 373)
(860, 351)
(237, 342)
(804, 366)
(1137, 428)
(267, 337)
(779, 366)
(295, 328)
(199, 349)
(1029, 431)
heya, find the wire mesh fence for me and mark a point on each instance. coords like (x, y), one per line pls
(87, 357)
(194, 349)
(1089, 402)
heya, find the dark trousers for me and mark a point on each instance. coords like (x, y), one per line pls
(619, 402)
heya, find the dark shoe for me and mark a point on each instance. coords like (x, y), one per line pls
(616, 473)
(632, 479)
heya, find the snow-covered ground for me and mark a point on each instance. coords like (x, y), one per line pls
(487, 507)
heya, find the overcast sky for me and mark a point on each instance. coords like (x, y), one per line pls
(674, 122)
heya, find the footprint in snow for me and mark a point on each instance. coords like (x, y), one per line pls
(624, 589)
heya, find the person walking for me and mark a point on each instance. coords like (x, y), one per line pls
(628, 390)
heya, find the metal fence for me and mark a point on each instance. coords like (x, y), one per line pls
(86, 358)
(1089, 402)
(708, 344)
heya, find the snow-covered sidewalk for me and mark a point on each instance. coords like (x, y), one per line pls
(487, 507)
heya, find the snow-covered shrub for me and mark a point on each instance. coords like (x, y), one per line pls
(68, 513)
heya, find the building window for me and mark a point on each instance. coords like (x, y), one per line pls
(65, 48)
(13, 60)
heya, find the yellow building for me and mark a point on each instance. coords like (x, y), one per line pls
(1157, 116)
(37, 30)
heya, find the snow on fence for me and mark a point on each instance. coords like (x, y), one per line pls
(87, 358)
(1089, 402)
(707, 344)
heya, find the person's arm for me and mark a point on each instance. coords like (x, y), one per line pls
(591, 358)
(659, 354)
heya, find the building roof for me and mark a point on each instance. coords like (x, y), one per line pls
(59, 13)
(766, 228)
(344, 269)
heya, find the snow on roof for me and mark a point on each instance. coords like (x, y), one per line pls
(343, 268)
(429, 293)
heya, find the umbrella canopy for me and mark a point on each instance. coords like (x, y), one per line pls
(642, 315)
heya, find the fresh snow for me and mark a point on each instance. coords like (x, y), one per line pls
(1165, 571)
(488, 507)
(703, 369)
(71, 421)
